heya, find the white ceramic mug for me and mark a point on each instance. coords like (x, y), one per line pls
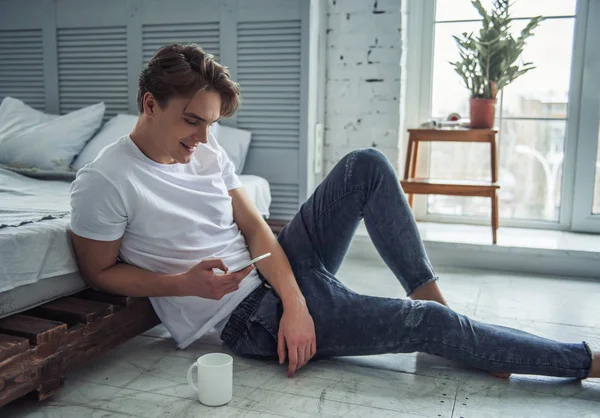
(215, 378)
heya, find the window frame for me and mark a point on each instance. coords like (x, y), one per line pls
(589, 119)
(420, 19)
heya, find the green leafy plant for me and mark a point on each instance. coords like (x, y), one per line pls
(488, 61)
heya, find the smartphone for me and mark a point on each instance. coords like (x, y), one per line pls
(249, 263)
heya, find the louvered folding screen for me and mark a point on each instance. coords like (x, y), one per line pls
(204, 34)
(268, 70)
(21, 66)
(61, 55)
(92, 68)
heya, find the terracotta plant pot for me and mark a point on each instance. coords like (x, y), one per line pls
(483, 112)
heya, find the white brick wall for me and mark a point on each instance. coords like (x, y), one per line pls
(363, 77)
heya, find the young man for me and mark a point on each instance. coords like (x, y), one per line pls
(160, 212)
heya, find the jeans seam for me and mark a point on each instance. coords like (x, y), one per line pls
(412, 288)
(330, 205)
(500, 361)
(464, 351)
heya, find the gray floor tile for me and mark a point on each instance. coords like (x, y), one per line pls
(509, 400)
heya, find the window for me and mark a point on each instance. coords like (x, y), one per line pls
(537, 116)
(596, 204)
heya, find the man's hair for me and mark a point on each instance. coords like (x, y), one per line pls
(183, 70)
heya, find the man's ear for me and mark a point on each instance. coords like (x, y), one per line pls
(150, 105)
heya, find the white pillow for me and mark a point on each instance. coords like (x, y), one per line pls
(30, 138)
(16, 116)
(112, 130)
(235, 142)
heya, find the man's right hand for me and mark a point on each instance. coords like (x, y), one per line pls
(202, 281)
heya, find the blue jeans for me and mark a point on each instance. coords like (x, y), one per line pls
(365, 185)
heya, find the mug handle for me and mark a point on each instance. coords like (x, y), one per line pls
(189, 376)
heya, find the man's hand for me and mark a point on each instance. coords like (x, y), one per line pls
(202, 281)
(297, 332)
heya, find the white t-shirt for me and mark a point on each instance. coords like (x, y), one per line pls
(171, 217)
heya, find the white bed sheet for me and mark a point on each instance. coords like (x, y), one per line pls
(260, 192)
(41, 250)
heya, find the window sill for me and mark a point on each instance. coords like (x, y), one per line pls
(524, 250)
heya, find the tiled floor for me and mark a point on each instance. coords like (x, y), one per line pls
(146, 376)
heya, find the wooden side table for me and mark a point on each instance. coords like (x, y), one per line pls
(413, 185)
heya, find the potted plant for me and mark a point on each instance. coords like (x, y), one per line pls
(488, 60)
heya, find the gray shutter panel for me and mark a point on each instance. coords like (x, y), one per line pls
(22, 66)
(268, 70)
(155, 36)
(92, 67)
(285, 200)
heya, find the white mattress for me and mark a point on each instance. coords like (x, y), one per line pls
(31, 295)
(36, 252)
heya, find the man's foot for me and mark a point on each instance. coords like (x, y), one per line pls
(429, 291)
(595, 372)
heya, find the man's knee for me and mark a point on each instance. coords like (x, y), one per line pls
(426, 316)
(368, 160)
(370, 156)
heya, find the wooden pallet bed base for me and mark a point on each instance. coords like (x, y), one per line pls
(39, 346)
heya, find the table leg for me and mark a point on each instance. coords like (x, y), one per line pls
(494, 158)
(407, 168)
(408, 159)
(495, 217)
(413, 168)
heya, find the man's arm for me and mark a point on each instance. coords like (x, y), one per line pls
(97, 261)
(296, 330)
(259, 237)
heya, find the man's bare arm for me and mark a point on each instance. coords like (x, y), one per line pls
(260, 239)
(99, 267)
(296, 328)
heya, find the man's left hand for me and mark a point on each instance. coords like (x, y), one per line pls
(297, 333)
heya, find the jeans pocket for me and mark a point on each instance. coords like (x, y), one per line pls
(268, 314)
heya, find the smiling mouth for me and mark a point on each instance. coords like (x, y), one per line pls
(188, 148)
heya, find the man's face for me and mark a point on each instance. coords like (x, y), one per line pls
(183, 123)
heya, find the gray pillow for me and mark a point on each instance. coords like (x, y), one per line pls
(30, 138)
(236, 143)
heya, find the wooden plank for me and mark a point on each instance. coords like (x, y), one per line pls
(102, 335)
(42, 368)
(452, 135)
(38, 330)
(72, 310)
(450, 129)
(443, 182)
(449, 188)
(277, 225)
(117, 300)
(443, 191)
(47, 389)
(11, 345)
(18, 375)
